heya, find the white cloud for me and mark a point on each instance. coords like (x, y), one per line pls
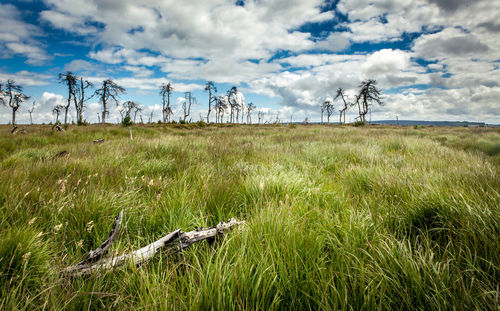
(17, 37)
(42, 112)
(26, 78)
(451, 42)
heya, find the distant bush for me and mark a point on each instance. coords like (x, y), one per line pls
(201, 124)
(292, 125)
(359, 123)
(127, 121)
(82, 122)
(182, 122)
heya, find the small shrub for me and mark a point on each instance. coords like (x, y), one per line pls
(182, 122)
(127, 121)
(359, 123)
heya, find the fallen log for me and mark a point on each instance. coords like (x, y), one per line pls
(58, 128)
(98, 141)
(173, 242)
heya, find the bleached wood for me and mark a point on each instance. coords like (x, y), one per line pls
(173, 242)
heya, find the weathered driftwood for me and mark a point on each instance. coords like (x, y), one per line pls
(98, 141)
(96, 254)
(13, 131)
(172, 243)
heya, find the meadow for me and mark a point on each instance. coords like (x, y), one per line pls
(337, 217)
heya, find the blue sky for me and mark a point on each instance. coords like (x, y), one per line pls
(433, 59)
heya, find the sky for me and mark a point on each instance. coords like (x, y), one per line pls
(432, 59)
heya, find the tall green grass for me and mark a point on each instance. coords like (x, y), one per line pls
(336, 217)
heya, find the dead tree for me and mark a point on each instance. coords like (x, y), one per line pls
(250, 107)
(171, 243)
(127, 108)
(57, 111)
(232, 101)
(327, 108)
(340, 93)
(108, 91)
(69, 79)
(210, 87)
(368, 94)
(151, 115)
(221, 105)
(186, 104)
(165, 91)
(30, 111)
(79, 99)
(12, 95)
(137, 109)
(260, 115)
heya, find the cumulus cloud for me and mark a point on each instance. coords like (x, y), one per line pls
(204, 28)
(449, 42)
(447, 49)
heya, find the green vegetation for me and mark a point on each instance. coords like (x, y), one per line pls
(337, 217)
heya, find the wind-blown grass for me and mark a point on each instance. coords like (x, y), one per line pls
(337, 217)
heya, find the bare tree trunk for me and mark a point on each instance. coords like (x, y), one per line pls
(13, 116)
(103, 119)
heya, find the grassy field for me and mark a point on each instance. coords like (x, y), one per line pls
(337, 217)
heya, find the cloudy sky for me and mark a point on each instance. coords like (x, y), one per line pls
(433, 59)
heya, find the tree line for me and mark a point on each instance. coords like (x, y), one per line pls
(229, 104)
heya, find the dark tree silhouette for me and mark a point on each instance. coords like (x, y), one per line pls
(327, 108)
(57, 111)
(11, 94)
(368, 94)
(340, 93)
(109, 90)
(79, 99)
(165, 91)
(210, 87)
(250, 107)
(70, 80)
